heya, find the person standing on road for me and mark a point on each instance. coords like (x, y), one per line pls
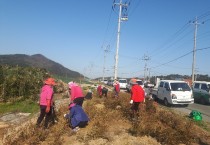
(76, 94)
(137, 97)
(46, 102)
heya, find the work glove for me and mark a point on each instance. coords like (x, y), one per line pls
(131, 101)
(48, 106)
(47, 109)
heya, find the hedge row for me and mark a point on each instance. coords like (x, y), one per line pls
(20, 82)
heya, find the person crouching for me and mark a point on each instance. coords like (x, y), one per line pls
(77, 117)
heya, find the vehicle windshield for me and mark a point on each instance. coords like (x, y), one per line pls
(139, 82)
(122, 81)
(180, 87)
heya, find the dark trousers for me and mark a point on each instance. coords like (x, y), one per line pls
(81, 124)
(135, 106)
(104, 92)
(43, 115)
(79, 101)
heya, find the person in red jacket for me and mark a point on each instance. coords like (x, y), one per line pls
(99, 90)
(116, 88)
(137, 96)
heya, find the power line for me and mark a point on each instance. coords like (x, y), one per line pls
(107, 26)
(181, 57)
(170, 39)
(172, 44)
(204, 15)
(181, 30)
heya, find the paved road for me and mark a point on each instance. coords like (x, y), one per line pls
(204, 109)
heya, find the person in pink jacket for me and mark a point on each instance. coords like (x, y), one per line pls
(76, 94)
(46, 102)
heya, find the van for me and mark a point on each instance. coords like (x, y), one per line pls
(105, 81)
(201, 92)
(110, 82)
(175, 92)
(123, 83)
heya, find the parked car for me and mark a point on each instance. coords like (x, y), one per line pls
(140, 83)
(173, 92)
(110, 82)
(123, 83)
(201, 92)
(105, 81)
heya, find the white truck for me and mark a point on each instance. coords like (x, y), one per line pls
(173, 92)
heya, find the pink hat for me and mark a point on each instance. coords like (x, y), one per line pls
(71, 84)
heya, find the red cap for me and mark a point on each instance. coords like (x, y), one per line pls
(50, 81)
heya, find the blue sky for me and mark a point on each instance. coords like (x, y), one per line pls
(74, 33)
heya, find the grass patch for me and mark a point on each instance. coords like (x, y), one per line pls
(26, 106)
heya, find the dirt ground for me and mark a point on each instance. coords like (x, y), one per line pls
(107, 127)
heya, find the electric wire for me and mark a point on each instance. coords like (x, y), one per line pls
(168, 41)
(180, 31)
(181, 57)
(203, 15)
(172, 44)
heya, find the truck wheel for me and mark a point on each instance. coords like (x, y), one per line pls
(166, 102)
(202, 101)
(185, 105)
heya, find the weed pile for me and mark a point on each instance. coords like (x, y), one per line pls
(111, 123)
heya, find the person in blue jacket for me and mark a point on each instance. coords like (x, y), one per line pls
(77, 117)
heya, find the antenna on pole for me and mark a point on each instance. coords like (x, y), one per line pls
(120, 18)
(146, 58)
(106, 50)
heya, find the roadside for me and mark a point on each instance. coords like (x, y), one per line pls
(122, 130)
(15, 121)
(187, 111)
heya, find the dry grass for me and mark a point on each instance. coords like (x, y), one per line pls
(110, 123)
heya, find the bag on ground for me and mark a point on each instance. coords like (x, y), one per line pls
(195, 115)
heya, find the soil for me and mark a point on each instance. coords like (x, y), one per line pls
(116, 133)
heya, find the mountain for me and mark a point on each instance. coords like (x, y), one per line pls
(39, 61)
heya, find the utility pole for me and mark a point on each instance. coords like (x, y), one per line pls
(146, 58)
(106, 50)
(121, 5)
(149, 69)
(194, 48)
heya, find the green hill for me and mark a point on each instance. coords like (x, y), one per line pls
(38, 61)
